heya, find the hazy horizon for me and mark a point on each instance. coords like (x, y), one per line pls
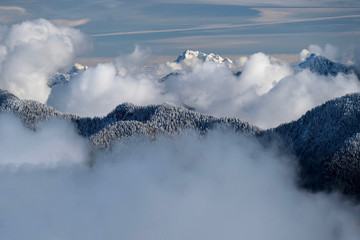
(223, 27)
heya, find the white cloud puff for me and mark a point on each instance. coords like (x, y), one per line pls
(32, 51)
(329, 51)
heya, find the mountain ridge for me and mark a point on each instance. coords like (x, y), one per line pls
(162, 119)
(325, 141)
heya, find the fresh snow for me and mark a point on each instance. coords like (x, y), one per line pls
(190, 57)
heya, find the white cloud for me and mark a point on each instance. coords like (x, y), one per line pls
(296, 94)
(329, 51)
(34, 50)
(260, 71)
(218, 187)
(70, 23)
(13, 8)
(100, 89)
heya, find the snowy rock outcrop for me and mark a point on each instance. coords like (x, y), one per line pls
(189, 58)
(63, 78)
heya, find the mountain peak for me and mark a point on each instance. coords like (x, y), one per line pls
(191, 55)
(63, 78)
(324, 66)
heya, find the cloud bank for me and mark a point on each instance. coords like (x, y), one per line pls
(221, 186)
(32, 51)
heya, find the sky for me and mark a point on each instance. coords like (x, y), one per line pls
(168, 27)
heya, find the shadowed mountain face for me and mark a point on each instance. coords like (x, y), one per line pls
(324, 66)
(326, 140)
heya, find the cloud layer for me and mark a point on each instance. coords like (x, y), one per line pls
(220, 186)
(267, 93)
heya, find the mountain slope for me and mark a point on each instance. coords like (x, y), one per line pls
(128, 119)
(327, 142)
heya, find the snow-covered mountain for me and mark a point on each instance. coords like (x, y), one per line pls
(190, 57)
(324, 66)
(63, 78)
(128, 119)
